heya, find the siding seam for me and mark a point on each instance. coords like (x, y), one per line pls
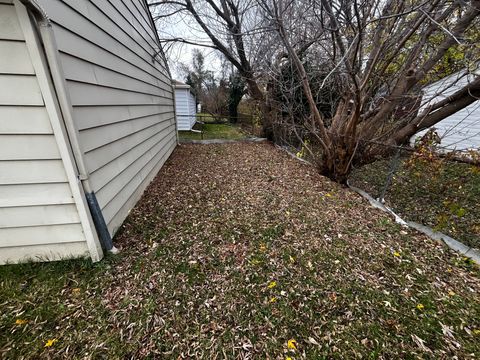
(110, 52)
(112, 70)
(163, 158)
(132, 163)
(110, 36)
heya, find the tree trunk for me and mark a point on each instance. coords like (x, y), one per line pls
(337, 164)
(235, 96)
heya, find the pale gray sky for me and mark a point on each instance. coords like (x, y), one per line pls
(179, 26)
(182, 53)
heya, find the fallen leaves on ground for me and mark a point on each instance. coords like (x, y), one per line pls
(201, 251)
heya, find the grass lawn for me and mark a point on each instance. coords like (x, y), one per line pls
(209, 118)
(240, 251)
(215, 131)
(446, 199)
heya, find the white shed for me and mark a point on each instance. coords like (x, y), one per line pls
(86, 122)
(185, 106)
(460, 131)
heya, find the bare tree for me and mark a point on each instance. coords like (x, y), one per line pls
(232, 27)
(380, 52)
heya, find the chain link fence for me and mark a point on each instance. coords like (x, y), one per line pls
(427, 186)
(424, 183)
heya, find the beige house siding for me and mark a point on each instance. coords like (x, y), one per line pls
(108, 77)
(122, 101)
(39, 217)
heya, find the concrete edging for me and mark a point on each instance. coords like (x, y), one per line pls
(435, 235)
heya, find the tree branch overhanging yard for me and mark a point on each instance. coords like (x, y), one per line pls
(340, 78)
(240, 251)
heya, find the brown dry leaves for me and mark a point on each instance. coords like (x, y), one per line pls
(236, 249)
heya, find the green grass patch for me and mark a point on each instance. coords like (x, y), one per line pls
(214, 131)
(446, 198)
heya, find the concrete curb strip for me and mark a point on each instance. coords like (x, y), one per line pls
(435, 235)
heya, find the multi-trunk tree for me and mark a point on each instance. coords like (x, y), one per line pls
(381, 55)
(377, 55)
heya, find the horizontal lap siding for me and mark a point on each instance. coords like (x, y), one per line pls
(459, 131)
(102, 156)
(182, 107)
(88, 117)
(82, 71)
(16, 50)
(38, 216)
(9, 24)
(193, 108)
(96, 138)
(21, 236)
(26, 147)
(83, 19)
(75, 45)
(34, 171)
(118, 209)
(24, 120)
(138, 17)
(122, 101)
(21, 216)
(104, 174)
(20, 90)
(35, 194)
(107, 193)
(84, 94)
(44, 252)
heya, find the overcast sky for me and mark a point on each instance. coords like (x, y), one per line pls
(182, 53)
(178, 26)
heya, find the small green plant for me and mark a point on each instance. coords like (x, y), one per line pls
(301, 154)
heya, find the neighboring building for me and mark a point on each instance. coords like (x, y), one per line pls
(86, 122)
(460, 131)
(185, 106)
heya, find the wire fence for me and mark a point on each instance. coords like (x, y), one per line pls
(424, 182)
(250, 123)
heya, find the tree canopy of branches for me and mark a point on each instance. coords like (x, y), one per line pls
(232, 27)
(376, 54)
(197, 75)
(219, 94)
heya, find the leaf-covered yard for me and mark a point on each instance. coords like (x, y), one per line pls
(240, 251)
